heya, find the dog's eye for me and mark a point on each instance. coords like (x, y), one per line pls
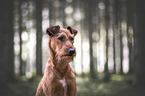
(72, 39)
(61, 38)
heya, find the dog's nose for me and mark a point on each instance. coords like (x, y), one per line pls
(71, 51)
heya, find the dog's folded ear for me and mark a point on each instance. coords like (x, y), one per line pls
(72, 30)
(53, 30)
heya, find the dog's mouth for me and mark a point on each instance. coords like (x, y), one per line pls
(67, 55)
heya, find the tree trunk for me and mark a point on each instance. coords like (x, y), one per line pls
(114, 48)
(38, 37)
(107, 76)
(107, 26)
(139, 39)
(90, 30)
(20, 43)
(120, 30)
(51, 12)
(121, 50)
(130, 22)
(115, 33)
(6, 44)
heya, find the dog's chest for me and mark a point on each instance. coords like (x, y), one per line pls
(64, 84)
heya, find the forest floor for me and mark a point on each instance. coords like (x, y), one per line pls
(117, 86)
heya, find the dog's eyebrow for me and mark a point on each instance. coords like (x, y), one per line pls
(61, 34)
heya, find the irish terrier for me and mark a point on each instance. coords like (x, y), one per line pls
(59, 79)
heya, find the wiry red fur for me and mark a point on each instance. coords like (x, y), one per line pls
(57, 67)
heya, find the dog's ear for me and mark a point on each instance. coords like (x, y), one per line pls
(72, 30)
(51, 31)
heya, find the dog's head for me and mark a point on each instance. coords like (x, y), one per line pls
(61, 42)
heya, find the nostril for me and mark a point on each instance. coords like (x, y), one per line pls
(71, 51)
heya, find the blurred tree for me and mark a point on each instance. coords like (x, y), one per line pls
(120, 34)
(6, 44)
(20, 37)
(130, 34)
(114, 32)
(90, 30)
(139, 39)
(38, 37)
(7, 36)
(62, 12)
(51, 12)
(107, 40)
(114, 48)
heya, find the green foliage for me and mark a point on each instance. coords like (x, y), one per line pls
(118, 86)
(25, 87)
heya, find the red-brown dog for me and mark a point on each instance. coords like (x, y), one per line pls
(59, 79)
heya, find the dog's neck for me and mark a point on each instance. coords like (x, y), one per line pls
(59, 65)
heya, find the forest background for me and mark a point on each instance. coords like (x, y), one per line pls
(110, 57)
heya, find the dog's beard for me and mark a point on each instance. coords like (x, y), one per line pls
(64, 59)
(67, 58)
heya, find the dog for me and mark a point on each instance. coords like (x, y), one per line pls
(59, 78)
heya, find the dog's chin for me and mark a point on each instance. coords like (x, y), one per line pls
(67, 58)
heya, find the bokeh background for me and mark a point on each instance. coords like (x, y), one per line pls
(110, 57)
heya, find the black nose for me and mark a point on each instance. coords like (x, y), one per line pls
(71, 51)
